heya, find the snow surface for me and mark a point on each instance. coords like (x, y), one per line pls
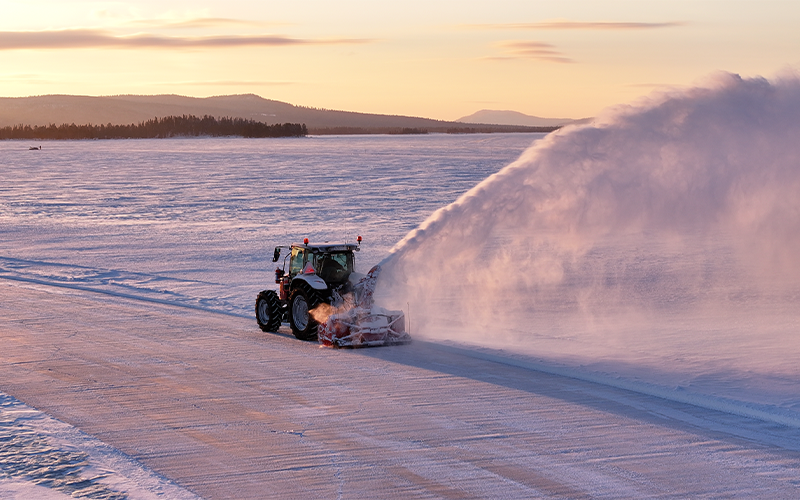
(46, 459)
(153, 224)
(193, 222)
(227, 411)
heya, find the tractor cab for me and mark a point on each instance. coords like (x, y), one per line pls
(331, 263)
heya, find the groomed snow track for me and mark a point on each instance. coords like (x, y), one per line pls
(222, 409)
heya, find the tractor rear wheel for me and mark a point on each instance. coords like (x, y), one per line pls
(268, 311)
(302, 300)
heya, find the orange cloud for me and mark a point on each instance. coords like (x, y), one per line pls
(532, 50)
(579, 25)
(202, 22)
(87, 38)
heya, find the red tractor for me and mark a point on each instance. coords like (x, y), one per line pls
(322, 293)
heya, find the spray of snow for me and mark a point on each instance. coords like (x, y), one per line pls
(679, 213)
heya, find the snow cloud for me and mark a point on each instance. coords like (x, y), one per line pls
(682, 204)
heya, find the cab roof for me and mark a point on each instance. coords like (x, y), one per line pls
(327, 247)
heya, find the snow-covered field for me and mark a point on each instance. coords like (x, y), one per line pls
(195, 221)
(655, 252)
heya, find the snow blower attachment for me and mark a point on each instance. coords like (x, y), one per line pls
(323, 298)
(364, 324)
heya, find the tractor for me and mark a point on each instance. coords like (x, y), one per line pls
(321, 292)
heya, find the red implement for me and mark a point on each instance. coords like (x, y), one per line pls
(364, 324)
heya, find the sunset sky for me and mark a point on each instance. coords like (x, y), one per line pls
(434, 58)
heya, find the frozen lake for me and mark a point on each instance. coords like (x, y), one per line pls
(133, 247)
(195, 220)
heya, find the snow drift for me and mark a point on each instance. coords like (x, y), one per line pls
(664, 236)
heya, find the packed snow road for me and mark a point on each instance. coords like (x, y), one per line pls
(226, 411)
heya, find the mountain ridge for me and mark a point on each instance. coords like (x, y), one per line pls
(127, 109)
(508, 117)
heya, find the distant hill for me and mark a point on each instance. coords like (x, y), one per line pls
(128, 109)
(496, 117)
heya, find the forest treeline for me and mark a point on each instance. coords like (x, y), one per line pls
(156, 128)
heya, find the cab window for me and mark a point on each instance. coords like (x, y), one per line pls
(334, 267)
(296, 263)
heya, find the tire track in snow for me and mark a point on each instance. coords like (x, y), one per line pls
(760, 412)
(94, 280)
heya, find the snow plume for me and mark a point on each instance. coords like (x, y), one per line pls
(678, 213)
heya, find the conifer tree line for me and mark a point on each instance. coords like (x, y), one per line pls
(156, 128)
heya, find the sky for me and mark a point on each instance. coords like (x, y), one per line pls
(439, 59)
